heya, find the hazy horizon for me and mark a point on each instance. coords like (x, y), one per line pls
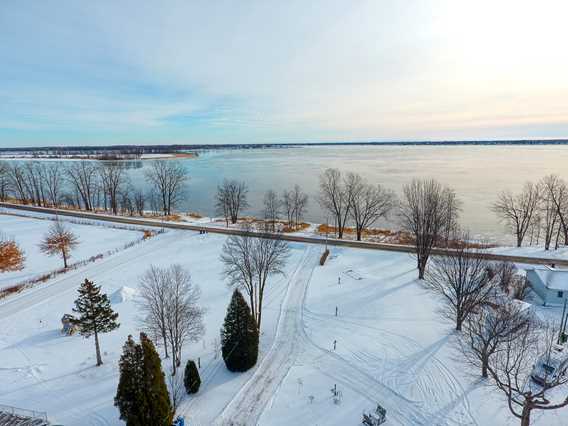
(111, 73)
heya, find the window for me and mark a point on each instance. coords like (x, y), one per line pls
(560, 294)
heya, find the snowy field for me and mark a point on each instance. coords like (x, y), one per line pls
(392, 347)
(28, 232)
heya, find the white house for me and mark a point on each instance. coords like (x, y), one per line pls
(551, 284)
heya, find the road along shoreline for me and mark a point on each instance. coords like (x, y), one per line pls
(287, 237)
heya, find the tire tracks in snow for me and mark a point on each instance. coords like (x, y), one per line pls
(249, 403)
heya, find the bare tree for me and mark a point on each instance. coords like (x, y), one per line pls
(461, 278)
(249, 262)
(139, 201)
(168, 179)
(83, 176)
(184, 318)
(153, 288)
(34, 174)
(368, 203)
(271, 208)
(335, 197)
(113, 178)
(517, 211)
(54, 182)
(486, 329)
(426, 211)
(17, 181)
(300, 204)
(4, 181)
(59, 241)
(231, 199)
(556, 192)
(515, 360)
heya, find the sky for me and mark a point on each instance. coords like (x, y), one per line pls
(208, 72)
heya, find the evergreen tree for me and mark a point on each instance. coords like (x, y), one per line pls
(130, 396)
(239, 336)
(191, 378)
(95, 314)
(160, 411)
(142, 396)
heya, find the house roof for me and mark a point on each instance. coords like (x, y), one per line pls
(554, 279)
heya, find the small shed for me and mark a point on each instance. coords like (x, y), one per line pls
(69, 327)
(551, 284)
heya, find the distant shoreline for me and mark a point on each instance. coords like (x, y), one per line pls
(179, 149)
(99, 157)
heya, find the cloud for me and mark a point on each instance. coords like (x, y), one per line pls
(272, 71)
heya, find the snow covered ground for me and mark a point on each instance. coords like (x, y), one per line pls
(28, 232)
(392, 347)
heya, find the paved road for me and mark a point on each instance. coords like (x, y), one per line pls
(287, 237)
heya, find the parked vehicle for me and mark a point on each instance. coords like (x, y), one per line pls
(551, 366)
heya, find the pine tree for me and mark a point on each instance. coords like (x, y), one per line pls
(96, 314)
(191, 378)
(130, 396)
(239, 336)
(160, 411)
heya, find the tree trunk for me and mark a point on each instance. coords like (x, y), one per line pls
(526, 415)
(359, 233)
(97, 347)
(64, 258)
(484, 368)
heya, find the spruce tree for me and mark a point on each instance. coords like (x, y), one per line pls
(130, 396)
(142, 396)
(95, 314)
(191, 378)
(239, 335)
(160, 412)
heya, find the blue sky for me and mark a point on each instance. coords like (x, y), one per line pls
(144, 72)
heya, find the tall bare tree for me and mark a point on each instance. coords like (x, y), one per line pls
(248, 264)
(272, 208)
(169, 305)
(231, 199)
(4, 181)
(461, 278)
(511, 367)
(113, 179)
(427, 209)
(54, 183)
(368, 203)
(335, 197)
(153, 288)
(547, 211)
(168, 179)
(556, 192)
(83, 177)
(184, 317)
(300, 204)
(517, 211)
(486, 329)
(17, 181)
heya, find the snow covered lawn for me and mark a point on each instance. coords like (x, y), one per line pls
(28, 232)
(41, 369)
(392, 348)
